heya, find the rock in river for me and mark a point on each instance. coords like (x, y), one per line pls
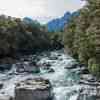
(90, 88)
(6, 97)
(27, 67)
(72, 66)
(34, 89)
(4, 67)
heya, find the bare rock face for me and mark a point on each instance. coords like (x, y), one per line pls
(33, 89)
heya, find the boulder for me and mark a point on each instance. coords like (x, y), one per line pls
(53, 57)
(33, 89)
(90, 88)
(45, 65)
(1, 85)
(6, 97)
(26, 58)
(51, 70)
(72, 66)
(87, 77)
(27, 67)
(19, 67)
(33, 67)
(89, 93)
(83, 70)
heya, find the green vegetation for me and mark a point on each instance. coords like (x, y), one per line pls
(82, 36)
(56, 39)
(16, 35)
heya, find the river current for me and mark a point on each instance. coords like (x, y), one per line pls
(64, 81)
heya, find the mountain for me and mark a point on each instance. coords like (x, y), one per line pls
(59, 23)
(30, 21)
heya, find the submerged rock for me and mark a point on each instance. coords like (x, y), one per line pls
(33, 89)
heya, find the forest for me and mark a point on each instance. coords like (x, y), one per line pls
(79, 36)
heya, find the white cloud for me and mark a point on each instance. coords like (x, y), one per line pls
(38, 8)
(59, 7)
(23, 7)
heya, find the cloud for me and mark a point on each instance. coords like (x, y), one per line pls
(59, 7)
(23, 7)
(38, 8)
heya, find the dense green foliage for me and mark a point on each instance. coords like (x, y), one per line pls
(56, 39)
(82, 36)
(16, 35)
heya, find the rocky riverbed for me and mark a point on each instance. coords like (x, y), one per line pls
(69, 79)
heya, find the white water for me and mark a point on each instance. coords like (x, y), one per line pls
(64, 81)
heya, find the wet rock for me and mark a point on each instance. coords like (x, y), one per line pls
(1, 85)
(89, 93)
(4, 67)
(53, 58)
(88, 79)
(33, 89)
(45, 65)
(83, 70)
(19, 67)
(27, 67)
(87, 97)
(6, 97)
(51, 70)
(72, 66)
(33, 67)
(90, 88)
(26, 58)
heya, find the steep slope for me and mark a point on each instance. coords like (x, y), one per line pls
(84, 32)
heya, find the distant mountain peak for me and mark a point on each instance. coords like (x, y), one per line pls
(59, 23)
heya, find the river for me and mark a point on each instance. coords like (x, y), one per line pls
(64, 81)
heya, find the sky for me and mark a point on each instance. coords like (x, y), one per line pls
(43, 10)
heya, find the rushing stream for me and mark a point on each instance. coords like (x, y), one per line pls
(64, 81)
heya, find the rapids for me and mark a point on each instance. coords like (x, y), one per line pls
(64, 81)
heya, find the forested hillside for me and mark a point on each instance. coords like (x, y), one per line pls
(82, 36)
(21, 35)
